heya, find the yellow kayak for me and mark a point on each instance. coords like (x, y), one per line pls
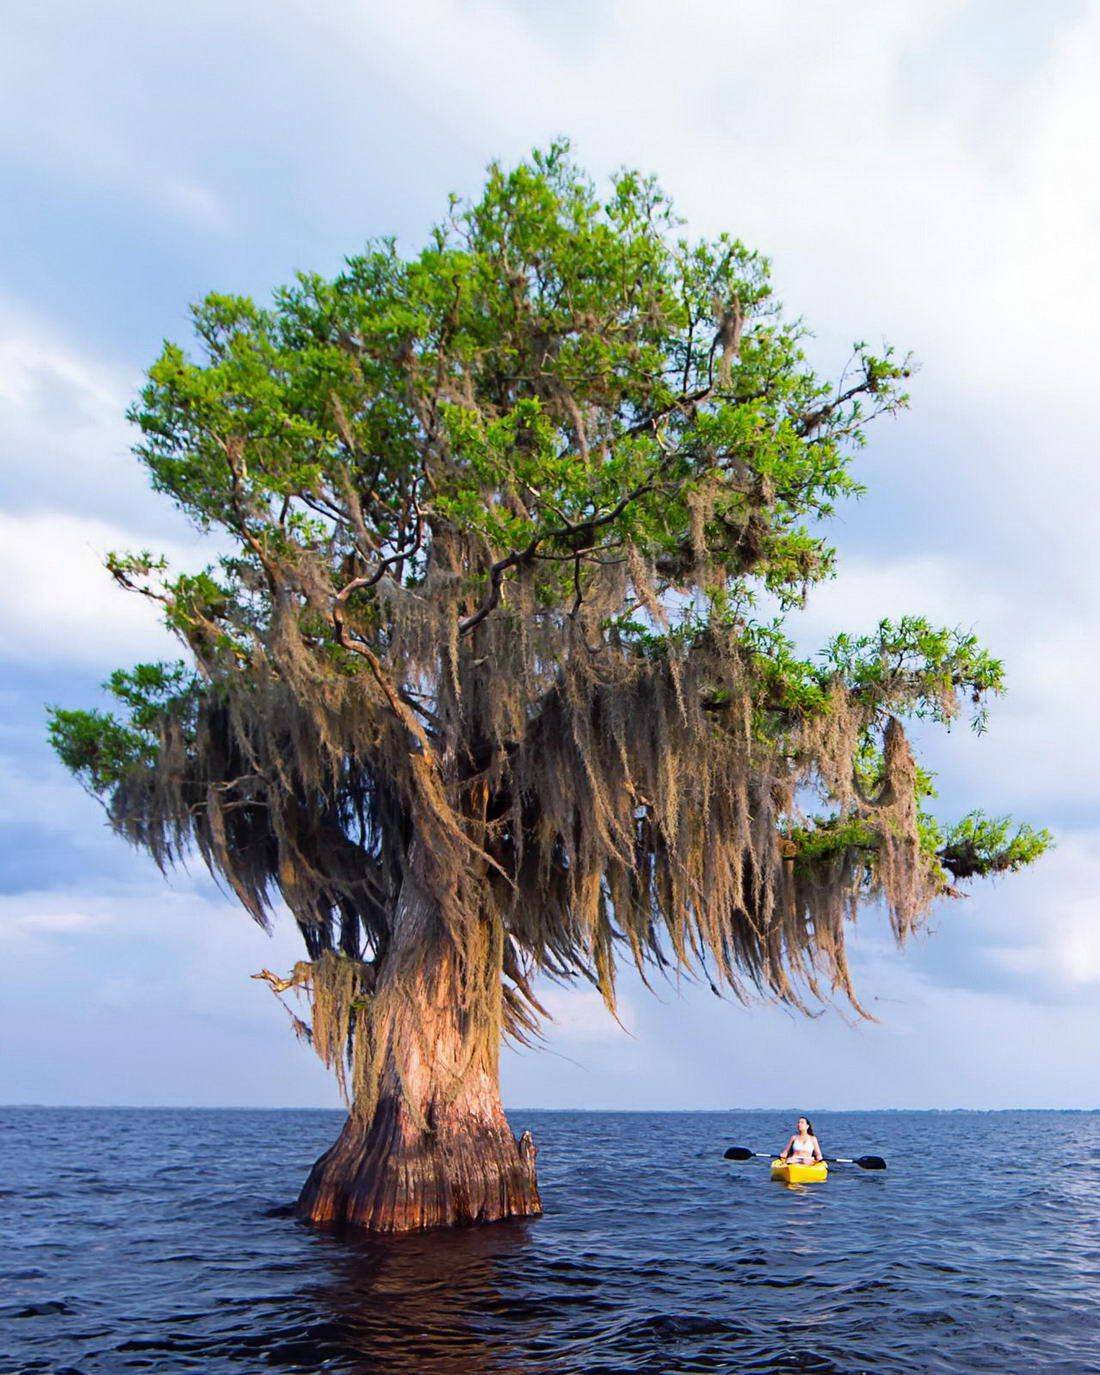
(787, 1172)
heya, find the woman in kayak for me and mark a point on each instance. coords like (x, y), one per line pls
(803, 1148)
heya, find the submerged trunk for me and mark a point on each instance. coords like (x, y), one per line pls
(390, 1174)
(432, 1148)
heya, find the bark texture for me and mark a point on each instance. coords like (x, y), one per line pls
(391, 1176)
(431, 1147)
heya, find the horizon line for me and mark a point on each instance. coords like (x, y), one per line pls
(650, 1111)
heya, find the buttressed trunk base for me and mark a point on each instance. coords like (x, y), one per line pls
(391, 1175)
(433, 1148)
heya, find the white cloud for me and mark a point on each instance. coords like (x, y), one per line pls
(21, 923)
(52, 802)
(65, 444)
(70, 492)
(198, 204)
(58, 604)
(578, 1013)
(30, 370)
(141, 992)
(62, 415)
(57, 915)
(1045, 928)
(866, 590)
(59, 109)
(178, 936)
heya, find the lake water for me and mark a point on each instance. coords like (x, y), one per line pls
(153, 1241)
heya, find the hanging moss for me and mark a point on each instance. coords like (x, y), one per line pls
(483, 666)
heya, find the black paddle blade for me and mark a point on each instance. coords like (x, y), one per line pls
(870, 1162)
(738, 1153)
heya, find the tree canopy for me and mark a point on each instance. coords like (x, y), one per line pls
(517, 522)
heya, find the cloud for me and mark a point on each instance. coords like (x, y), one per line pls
(58, 115)
(53, 802)
(65, 444)
(19, 925)
(141, 993)
(1044, 928)
(197, 204)
(58, 604)
(178, 939)
(578, 1013)
(70, 492)
(64, 431)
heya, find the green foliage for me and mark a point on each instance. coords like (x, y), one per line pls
(827, 837)
(500, 512)
(980, 845)
(591, 355)
(97, 747)
(915, 666)
(789, 683)
(102, 748)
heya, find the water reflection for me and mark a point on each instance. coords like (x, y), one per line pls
(433, 1304)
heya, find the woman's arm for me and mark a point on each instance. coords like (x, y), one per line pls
(786, 1149)
(817, 1149)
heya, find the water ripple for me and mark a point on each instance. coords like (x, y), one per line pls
(161, 1241)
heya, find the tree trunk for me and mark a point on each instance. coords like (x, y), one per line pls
(432, 1147)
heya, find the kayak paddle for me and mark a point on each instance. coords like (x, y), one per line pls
(865, 1162)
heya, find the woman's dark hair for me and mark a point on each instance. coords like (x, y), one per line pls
(809, 1125)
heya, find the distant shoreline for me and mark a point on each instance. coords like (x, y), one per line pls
(563, 1112)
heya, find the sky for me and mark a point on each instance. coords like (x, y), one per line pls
(918, 173)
